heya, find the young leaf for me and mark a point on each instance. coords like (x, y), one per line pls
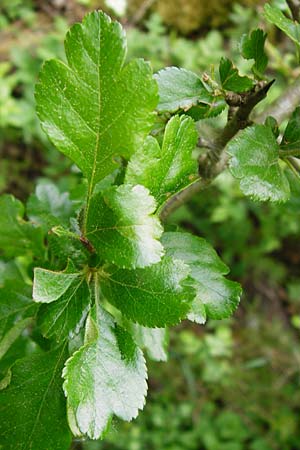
(216, 297)
(122, 228)
(96, 108)
(255, 161)
(32, 407)
(272, 123)
(17, 237)
(154, 297)
(49, 286)
(180, 89)
(167, 170)
(288, 26)
(105, 377)
(252, 47)
(69, 298)
(206, 111)
(291, 137)
(230, 78)
(48, 207)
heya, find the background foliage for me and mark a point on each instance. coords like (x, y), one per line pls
(233, 384)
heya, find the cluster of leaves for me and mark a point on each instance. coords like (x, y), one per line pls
(183, 90)
(255, 154)
(107, 279)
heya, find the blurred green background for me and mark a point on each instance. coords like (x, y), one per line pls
(229, 385)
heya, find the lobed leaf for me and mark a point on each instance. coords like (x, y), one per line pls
(105, 377)
(216, 297)
(32, 407)
(154, 297)
(230, 78)
(122, 227)
(252, 47)
(255, 161)
(288, 26)
(96, 108)
(169, 169)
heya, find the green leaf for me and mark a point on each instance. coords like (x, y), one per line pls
(17, 311)
(32, 407)
(153, 340)
(271, 122)
(12, 335)
(15, 305)
(154, 297)
(105, 377)
(252, 47)
(49, 286)
(216, 297)
(122, 228)
(230, 78)
(17, 236)
(291, 137)
(62, 248)
(95, 107)
(48, 207)
(206, 111)
(180, 89)
(288, 26)
(255, 161)
(69, 297)
(169, 169)
(10, 271)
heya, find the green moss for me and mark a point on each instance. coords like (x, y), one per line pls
(188, 16)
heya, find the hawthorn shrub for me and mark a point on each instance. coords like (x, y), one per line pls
(91, 281)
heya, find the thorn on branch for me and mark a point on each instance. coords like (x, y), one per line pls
(208, 163)
(283, 106)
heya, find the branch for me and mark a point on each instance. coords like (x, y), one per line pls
(240, 119)
(140, 13)
(214, 161)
